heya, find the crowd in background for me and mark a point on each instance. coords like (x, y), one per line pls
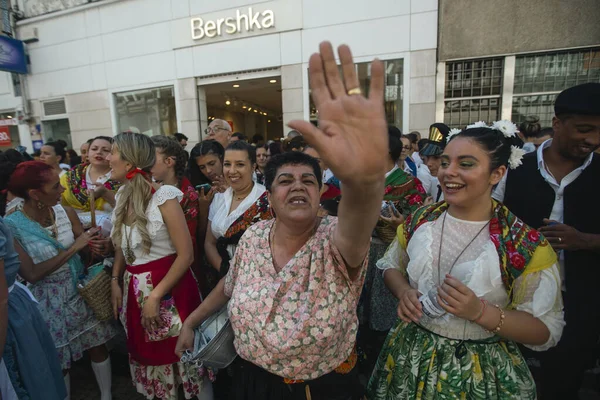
(434, 267)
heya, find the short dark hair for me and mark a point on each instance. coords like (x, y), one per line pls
(59, 149)
(240, 136)
(291, 158)
(240, 145)
(180, 136)
(493, 142)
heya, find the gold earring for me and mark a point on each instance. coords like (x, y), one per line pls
(40, 205)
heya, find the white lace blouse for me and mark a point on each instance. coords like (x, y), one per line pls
(219, 216)
(159, 234)
(479, 268)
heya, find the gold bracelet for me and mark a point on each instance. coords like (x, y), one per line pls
(500, 323)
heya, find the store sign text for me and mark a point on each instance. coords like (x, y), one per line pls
(250, 21)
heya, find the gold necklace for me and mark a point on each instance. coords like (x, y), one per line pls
(129, 254)
(52, 226)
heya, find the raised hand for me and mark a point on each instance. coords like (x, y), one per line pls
(352, 134)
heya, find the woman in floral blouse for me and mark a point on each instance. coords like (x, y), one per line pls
(295, 280)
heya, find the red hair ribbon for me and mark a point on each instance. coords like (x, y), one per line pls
(146, 175)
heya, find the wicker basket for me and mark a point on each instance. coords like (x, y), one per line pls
(385, 231)
(97, 292)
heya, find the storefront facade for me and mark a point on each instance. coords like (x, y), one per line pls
(162, 66)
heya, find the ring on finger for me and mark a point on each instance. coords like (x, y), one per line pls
(354, 91)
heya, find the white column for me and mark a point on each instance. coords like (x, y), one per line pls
(440, 92)
(508, 83)
(25, 137)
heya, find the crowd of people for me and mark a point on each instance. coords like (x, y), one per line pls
(354, 261)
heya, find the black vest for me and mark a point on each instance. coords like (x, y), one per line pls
(531, 198)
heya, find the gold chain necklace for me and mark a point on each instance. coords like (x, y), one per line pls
(52, 226)
(129, 254)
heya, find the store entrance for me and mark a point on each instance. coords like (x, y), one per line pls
(252, 106)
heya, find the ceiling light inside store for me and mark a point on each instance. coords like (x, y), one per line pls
(273, 81)
(9, 116)
(244, 106)
(268, 120)
(249, 108)
(236, 85)
(227, 102)
(255, 110)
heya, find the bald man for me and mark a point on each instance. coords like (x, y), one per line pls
(220, 131)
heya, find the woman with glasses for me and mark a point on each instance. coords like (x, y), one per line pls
(405, 161)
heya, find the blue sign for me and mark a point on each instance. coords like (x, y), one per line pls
(12, 55)
(37, 144)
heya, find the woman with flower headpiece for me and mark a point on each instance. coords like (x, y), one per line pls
(472, 281)
(153, 256)
(93, 176)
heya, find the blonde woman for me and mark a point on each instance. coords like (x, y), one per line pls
(153, 256)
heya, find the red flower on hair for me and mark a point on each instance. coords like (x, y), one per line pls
(517, 260)
(533, 236)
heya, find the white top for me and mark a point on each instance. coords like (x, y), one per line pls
(327, 175)
(557, 213)
(45, 250)
(161, 241)
(479, 269)
(219, 216)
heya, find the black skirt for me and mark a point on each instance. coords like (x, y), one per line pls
(251, 382)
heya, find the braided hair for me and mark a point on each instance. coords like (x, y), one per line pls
(170, 147)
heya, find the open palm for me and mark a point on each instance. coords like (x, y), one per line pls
(352, 134)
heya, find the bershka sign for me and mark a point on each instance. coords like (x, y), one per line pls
(242, 22)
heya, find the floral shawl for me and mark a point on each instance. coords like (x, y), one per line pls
(521, 249)
(75, 184)
(27, 231)
(405, 191)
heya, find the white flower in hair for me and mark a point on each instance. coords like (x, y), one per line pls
(516, 156)
(479, 124)
(508, 128)
(452, 132)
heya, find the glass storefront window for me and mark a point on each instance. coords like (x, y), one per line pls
(393, 97)
(149, 111)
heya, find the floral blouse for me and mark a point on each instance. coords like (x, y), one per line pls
(299, 323)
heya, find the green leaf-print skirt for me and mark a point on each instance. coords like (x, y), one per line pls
(417, 364)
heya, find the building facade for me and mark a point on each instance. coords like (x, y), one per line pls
(166, 66)
(509, 59)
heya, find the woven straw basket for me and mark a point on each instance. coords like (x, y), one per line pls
(385, 231)
(97, 293)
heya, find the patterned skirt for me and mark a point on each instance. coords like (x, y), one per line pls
(417, 364)
(155, 369)
(71, 322)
